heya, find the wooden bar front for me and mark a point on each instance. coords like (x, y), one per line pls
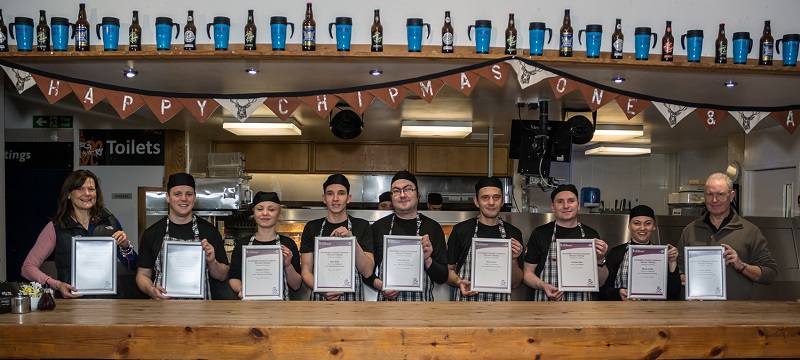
(368, 330)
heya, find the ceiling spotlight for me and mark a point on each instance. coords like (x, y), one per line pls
(375, 72)
(618, 79)
(130, 73)
(730, 84)
(251, 71)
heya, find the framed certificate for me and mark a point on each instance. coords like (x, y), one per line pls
(184, 266)
(577, 265)
(334, 264)
(94, 265)
(491, 265)
(403, 265)
(262, 272)
(647, 271)
(705, 273)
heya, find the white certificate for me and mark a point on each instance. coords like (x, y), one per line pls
(647, 271)
(403, 265)
(184, 269)
(262, 272)
(577, 265)
(94, 265)
(705, 273)
(334, 264)
(491, 265)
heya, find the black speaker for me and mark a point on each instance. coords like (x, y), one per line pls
(346, 124)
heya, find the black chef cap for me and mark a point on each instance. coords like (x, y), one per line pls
(262, 196)
(435, 199)
(405, 175)
(492, 181)
(337, 179)
(642, 210)
(565, 187)
(386, 196)
(180, 179)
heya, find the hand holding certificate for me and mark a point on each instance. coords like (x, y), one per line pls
(334, 264)
(262, 272)
(94, 265)
(403, 266)
(705, 273)
(491, 265)
(647, 272)
(577, 265)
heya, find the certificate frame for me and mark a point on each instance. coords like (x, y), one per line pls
(480, 281)
(101, 277)
(341, 283)
(197, 282)
(590, 284)
(272, 253)
(637, 286)
(714, 253)
(389, 270)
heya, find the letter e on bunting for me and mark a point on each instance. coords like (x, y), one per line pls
(497, 73)
(163, 108)
(427, 90)
(358, 100)
(53, 90)
(89, 96)
(562, 86)
(125, 103)
(596, 98)
(631, 106)
(392, 96)
(321, 104)
(748, 119)
(528, 75)
(464, 81)
(22, 79)
(283, 107)
(201, 109)
(711, 117)
(786, 119)
(673, 113)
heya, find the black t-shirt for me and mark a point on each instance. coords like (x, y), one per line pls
(542, 236)
(153, 239)
(438, 269)
(236, 257)
(460, 241)
(360, 230)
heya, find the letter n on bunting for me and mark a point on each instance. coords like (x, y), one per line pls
(163, 108)
(201, 109)
(463, 81)
(358, 100)
(596, 98)
(786, 119)
(711, 117)
(632, 106)
(53, 90)
(124, 103)
(321, 104)
(89, 96)
(427, 89)
(283, 107)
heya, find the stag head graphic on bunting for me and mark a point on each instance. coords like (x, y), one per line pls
(241, 109)
(20, 80)
(746, 119)
(526, 76)
(674, 111)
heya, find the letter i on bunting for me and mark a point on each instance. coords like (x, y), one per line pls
(163, 108)
(748, 119)
(631, 106)
(88, 96)
(53, 90)
(358, 100)
(711, 117)
(241, 108)
(528, 75)
(786, 119)
(673, 113)
(283, 107)
(22, 79)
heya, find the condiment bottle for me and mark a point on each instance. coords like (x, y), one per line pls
(48, 300)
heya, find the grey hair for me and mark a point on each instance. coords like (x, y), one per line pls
(721, 176)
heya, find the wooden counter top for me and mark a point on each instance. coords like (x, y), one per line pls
(238, 329)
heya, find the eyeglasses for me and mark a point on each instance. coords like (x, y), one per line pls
(716, 196)
(407, 189)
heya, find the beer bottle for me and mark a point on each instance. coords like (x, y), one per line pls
(721, 47)
(766, 46)
(309, 30)
(667, 43)
(617, 39)
(447, 34)
(511, 36)
(42, 33)
(82, 31)
(565, 46)
(3, 34)
(377, 33)
(190, 33)
(250, 32)
(135, 34)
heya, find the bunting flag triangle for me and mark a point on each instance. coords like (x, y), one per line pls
(632, 106)
(283, 107)
(786, 119)
(201, 109)
(22, 79)
(427, 90)
(241, 108)
(463, 81)
(748, 119)
(596, 98)
(673, 113)
(392, 96)
(53, 90)
(163, 108)
(321, 104)
(89, 96)
(562, 86)
(358, 100)
(528, 75)
(124, 103)
(497, 73)
(711, 117)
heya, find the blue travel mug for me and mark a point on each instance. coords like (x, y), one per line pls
(694, 42)
(594, 35)
(222, 32)
(414, 33)
(164, 32)
(641, 38)
(277, 26)
(790, 44)
(536, 31)
(109, 27)
(344, 29)
(23, 27)
(742, 45)
(483, 34)
(60, 30)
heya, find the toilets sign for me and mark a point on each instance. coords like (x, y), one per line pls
(121, 147)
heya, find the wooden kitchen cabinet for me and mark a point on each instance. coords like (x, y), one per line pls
(271, 157)
(460, 160)
(361, 158)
